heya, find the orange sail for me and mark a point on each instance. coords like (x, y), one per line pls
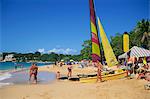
(94, 36)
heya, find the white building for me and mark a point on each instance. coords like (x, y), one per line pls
(9, 57)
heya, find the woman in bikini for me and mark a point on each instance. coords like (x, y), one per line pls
(69, 70)
(99, 71)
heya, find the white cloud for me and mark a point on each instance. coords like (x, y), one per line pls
(63, 51)
(42, 50)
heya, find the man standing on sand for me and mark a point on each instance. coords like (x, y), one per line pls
(33, 72)
(99, 71)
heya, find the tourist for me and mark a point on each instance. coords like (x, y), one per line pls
(129, 66)
(69, 69)
(58, 75)
(33, 72)
(147, 76)
(99, 71)
(15, 66)
(61, 64)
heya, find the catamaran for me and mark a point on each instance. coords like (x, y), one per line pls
(108, 51)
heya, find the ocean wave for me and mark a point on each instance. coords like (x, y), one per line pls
(5, 84)
(5, 76)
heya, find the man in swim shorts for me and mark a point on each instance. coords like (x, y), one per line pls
(33, 72)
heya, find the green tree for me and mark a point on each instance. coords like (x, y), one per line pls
(86, 49)
(37, 55)
(140, 36)
(44, 57)
(117, 44)
(53, 57)
(76, 57)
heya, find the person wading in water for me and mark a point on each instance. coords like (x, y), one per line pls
(33, 72)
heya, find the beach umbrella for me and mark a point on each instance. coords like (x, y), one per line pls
(62, 60)
(71, 60)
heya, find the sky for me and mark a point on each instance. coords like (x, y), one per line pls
(61, 26)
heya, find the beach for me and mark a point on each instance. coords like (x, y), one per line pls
(114, 89)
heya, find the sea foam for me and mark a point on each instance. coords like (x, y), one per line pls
(5, 76)
(5, 84)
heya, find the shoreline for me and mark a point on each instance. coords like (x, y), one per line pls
(20, 76)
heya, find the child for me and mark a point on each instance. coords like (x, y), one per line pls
(58, 75)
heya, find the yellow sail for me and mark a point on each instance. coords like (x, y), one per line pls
(109, 54)
(125, 42)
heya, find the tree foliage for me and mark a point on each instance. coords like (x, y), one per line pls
(117, 44)
(86, 49)
(140, 35)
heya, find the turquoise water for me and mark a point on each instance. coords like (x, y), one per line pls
(11, 65)
(21, 76)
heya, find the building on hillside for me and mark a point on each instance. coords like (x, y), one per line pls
(9, 58)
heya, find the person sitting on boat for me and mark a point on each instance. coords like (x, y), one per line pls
(33, 72)
(99, 71)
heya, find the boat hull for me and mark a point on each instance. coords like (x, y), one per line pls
(104, 78)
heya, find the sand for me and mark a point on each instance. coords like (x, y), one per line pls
(115, 89)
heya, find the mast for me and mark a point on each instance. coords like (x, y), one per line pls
(94, 34)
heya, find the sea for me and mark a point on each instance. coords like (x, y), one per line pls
(11, 65)
(9, 75)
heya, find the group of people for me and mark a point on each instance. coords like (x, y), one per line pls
(96, 64)
(133, 67)
(69, 68)
(18, 66)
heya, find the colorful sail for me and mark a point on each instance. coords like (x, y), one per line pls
(94, 36)
(125, 42)
(108, 52)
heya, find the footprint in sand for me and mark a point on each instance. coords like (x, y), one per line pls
(25, 97)
(45, 95)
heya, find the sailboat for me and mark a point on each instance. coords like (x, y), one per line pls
(108, 52)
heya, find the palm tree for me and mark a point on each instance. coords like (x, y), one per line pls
(142, 31)
(146, 37)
